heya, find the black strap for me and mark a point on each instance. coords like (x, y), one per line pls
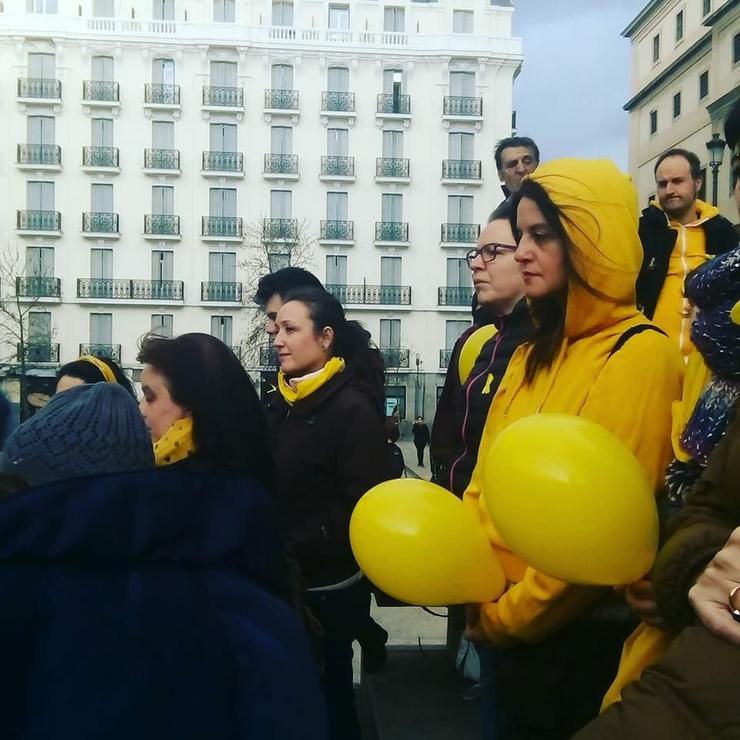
(639, 329)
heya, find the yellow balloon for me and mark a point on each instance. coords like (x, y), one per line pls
(472, 348)
(571, 500)
(735, 313)
(422, 545)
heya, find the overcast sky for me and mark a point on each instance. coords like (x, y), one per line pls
(575, 78)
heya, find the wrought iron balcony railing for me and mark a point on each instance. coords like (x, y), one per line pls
(335, 101)
(268, 356)
(96, 222)
(158, 94)
(457, 105)
(395, 357)
(103, 288)
(157, 290)
(162, 159)
(39, 87)
(161, 223)
(392, 167)
(100, 90)
(391, 231)
(213, 291)
(227, 226)
(460, 233)
(279, 229)
(223, 97)
(394, 104)
(39, 220)
(461, 169)
(39, 154)
(112, 288)
(223, 161)
(454, 296)
(277, 99)
(371, 295)
(337, 230)
(338, 166)
(100, 156)
(281, 164)
(111, 351)
(38, 351)
(444, 357)
(38, 286)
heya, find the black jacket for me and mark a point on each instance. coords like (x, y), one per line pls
(329, 449)
(658, 240)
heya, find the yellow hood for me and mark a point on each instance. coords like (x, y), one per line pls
(600, 216)
(704, 211)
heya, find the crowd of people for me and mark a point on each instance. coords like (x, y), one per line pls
(177, 563)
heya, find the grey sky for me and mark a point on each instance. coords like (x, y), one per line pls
(575, 78)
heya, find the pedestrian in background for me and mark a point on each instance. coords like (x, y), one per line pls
(421, 439)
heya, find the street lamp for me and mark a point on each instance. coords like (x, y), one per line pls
(716, 149)
(418, 403)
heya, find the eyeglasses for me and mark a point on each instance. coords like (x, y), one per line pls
(488, 252)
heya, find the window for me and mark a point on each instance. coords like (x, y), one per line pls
(393, 144)
(282, 13)
(40, 261)
(336, 206)
(42, 66)
(222, 202)
(104, 8)
(102, 69)
(391, 207)
(222, 327)
(462, 84)
(390, 333)
(40, 196)
(736, 48)
(653, 121)
(101, 328)
(706, 7)
(163, 71)
(677, 105)
(395, 398)
(163, 10)
(101, 198)
(281, 140)
(281, 204)
(223, 137)
(40, 129)
(101, 263)
(337, 79)
(282, 77)
(393, 82)
(656, 48)
(461, 145)
(101, 132)
(339, 17)
(224, 74)
(163, 324)
(163, 265)
(458, 273)
(222, 267)
(39, 327)
(163, 134)
(453, 330)
(278, 261)
(393, 20)
(163, 200)
(224, 11)
(390, 271)
(336, 270)
(460, 209)
(337, 142)
(679, 26)
(462, 21)
(41, 6)
(704, 84)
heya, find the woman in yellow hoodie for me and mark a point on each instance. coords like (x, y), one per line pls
(556, 644)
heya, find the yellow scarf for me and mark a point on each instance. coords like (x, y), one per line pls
(176, 444)
(304, 388)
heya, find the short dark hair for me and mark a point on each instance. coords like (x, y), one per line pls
(690, 157)
(281, 282)
(513, 141)
(504, 211)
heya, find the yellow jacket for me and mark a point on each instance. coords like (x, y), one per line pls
(629, 392)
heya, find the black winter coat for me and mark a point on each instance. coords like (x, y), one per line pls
(329, 449)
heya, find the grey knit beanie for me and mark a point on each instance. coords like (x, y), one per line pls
(87, 430)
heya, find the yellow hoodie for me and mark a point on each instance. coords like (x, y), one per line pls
(630, 392)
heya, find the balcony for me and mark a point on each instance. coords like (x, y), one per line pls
(335, 104)
(279, 230)
(39, 90)
(393, 169)
(337, 232)
(391, 233)
(455, 296)
(459, 234)
(222, 164)
(444, 358)
(36, 351)
(461, 172)
(39, 223)
(395, 357)
(221, 228)
(338, 169)
(223, 99)
(162, 161)
(461, 108)
(268, 359)
(221, 292)
(101, 94)
(394, 108)
(372, 295)
(43, 157)
(280, 167)
(36, 287)
(110, 351)
(97, 224)
(99, 159)
(161, 97)
(122, 289)
(281, 102)
(162, 226)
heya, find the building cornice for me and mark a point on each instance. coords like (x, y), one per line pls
(720, 13)
(719, 109)
(641, 17)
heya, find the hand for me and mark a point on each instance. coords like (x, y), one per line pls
(641, 599)
(709, 594)
(473, 629)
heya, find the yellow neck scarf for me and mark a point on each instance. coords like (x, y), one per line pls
(176, 444)
(304, 388)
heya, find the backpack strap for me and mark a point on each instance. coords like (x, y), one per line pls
(631, 332)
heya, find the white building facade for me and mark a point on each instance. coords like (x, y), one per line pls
(153, 147)
(685, 80)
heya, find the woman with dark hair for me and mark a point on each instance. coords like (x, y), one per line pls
(92, 369)
(329, 446)
(592, 354)
(201, 407)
